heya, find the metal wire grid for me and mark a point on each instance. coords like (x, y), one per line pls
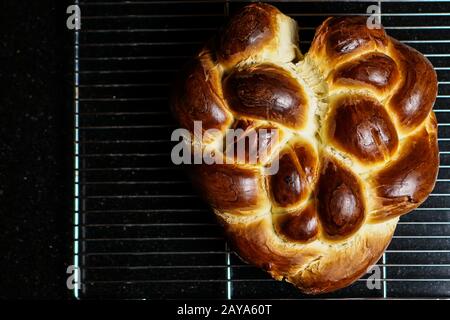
(140, 231)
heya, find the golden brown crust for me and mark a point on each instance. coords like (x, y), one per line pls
(333, 271)
(340, 38)
(315, 267)
(255, 243)
(341, 205)
(407, 181)
(229, 187)
(356, 142)
(417, 92)
(375, 70)
(361, 127)
(299, 226)
(267, 92)
(288, 185)
(307, 158)
(294, 180)
(198, 95)
(247, 32)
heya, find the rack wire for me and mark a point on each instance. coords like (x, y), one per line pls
(140, 231)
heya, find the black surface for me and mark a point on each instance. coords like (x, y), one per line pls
(35, 150)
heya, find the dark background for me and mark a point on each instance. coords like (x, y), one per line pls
(35, 149)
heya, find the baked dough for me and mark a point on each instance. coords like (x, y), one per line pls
(356, 141)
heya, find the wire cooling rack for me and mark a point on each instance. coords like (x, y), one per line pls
(140, 230)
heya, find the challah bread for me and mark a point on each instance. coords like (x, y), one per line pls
(356, 142)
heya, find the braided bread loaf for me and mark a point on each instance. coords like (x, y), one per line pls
(356, 141)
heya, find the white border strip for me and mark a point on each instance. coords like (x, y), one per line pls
(76, 164)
